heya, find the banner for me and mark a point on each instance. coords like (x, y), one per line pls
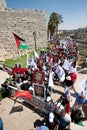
(60, 72)
(66, 65)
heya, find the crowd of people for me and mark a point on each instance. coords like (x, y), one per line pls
(59, 64)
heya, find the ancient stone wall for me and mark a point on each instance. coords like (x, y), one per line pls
(23, 23)
(3, 4)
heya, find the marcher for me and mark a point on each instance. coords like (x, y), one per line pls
(64, 120)
(73, 74)
(19, 83)
(77, 116)
(52, 121)
(80, 99)
(43, 127)
(49, 100)
(84, 109)
(5, 90)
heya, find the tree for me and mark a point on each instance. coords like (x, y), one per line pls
(54, 20)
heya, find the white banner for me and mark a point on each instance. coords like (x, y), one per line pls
(66, 65)
(60, 72)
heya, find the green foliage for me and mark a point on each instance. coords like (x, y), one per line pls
(81, 64)
(11, 62)
(86, 65)
(82, 50)
(54, 20)
(20, 60)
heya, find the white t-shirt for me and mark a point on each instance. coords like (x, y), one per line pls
(18, 85)
(67, 118)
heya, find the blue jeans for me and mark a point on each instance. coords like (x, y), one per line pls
(1, 124)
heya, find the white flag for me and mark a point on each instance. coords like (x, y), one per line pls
(61, 73)
(71, 69)
(50, 83)
(33, 64)
(36, 55)
(68, 94)
(28, 60)
(83, 86)
(66, 65)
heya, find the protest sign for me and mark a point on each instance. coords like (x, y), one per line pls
(38, 77)
(39, 90)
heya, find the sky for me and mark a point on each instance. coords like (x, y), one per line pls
(74, 12)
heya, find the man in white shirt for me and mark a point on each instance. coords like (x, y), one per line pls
(65, 120)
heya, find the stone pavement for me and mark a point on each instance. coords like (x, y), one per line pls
(27, 118)
(22, 120)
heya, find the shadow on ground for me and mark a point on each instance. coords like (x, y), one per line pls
(18, 108)
(83, 71)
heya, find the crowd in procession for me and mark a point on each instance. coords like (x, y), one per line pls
(58, 64)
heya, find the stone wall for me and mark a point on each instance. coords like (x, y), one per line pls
(3, 4)
(23, 23)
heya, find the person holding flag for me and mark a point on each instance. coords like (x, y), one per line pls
(81, 99)
(60, 73)
(50, 82)
(83, 86)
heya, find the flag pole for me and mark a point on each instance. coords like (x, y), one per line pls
(27, 57)
(19, 52)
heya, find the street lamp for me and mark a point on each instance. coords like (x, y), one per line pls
(34, 34)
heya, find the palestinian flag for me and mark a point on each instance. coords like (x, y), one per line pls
(23, 93)
(21, 43)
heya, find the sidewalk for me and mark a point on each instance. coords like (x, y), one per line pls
(27, 118)
(22, 120)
